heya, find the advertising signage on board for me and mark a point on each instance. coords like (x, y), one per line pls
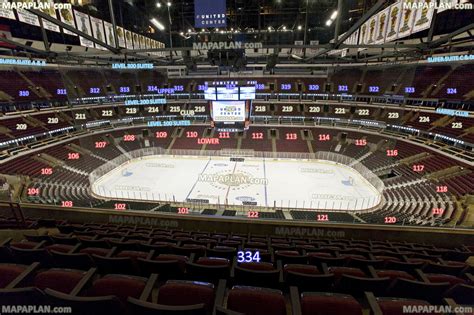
(209, 13)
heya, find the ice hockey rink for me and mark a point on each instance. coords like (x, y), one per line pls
(285, 183)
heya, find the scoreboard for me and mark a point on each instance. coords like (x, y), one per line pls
(230, 106)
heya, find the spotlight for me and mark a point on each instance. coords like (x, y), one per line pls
(158, 5)
(299, 27)
(168, 4)
(157, 24)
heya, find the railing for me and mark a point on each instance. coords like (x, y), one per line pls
(333, 202)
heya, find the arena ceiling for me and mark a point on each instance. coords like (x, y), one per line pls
(277, 24)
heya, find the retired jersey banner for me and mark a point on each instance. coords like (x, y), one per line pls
(210, 13)
(83, 25)
(27, 17)
(6, 13)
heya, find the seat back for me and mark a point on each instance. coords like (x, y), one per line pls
(76, 261)
(85, 305)
(121, 286)
(207, 272)
(256, 301)
(319, 303)
(358, 285)
(184, 293)
(431, 292)
(29, 256)
(138, 307)
(258, 278)
(120, 265)
(167, 269)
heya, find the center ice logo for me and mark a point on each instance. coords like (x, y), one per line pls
(126, 173)
(238, 179)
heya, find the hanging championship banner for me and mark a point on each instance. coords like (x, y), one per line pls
(109, 33)
(371, 30)
(394, 21)
(152, 46)
(424, 16)
(66, 16)
(352, 40)
(136, 43)
(141, 40)
(49, 10)
(363, 33)
(407, 19)
(382, 23)
(147, 43)
(5, 12)
(121, 36)
(128, 39)
(83, 25)
(98, 31)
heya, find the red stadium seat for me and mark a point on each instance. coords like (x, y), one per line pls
(256, 301)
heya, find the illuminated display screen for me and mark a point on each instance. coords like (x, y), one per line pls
(230, 93)
(247, 93)
(210, 94)
(228, 111)
(227, 94)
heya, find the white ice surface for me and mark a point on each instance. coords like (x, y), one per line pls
(285, 183)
